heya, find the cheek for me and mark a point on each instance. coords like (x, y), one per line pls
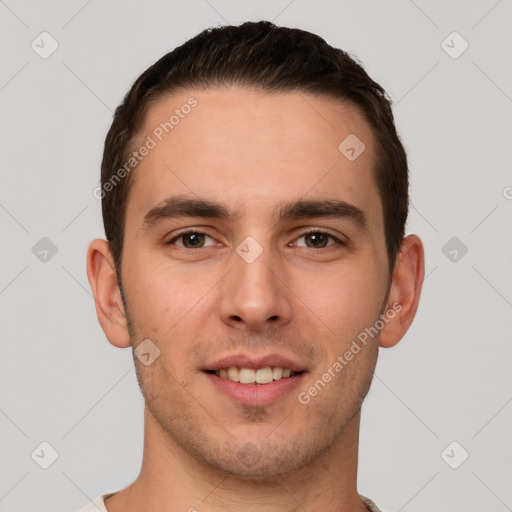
(161, 297)
(345, 300)
(335, 395)
(165, 306)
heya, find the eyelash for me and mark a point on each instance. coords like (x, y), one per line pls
(311, 232)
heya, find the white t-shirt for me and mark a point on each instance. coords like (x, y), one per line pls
(98, 505)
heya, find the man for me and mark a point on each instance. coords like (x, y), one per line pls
(254, 195)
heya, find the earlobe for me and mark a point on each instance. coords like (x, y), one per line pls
(406, 284)
(107, 296)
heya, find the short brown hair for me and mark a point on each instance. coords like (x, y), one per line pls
(263, 56)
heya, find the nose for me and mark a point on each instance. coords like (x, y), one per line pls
(255, 295)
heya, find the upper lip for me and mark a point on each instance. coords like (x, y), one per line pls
(255, 362)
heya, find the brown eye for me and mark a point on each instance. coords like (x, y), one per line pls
(190, 240)
(193, 240)
(318, 240)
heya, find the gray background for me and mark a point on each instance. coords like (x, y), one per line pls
(448, 380)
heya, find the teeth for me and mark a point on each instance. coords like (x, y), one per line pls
(251, 376)
(247, 376)
(234, 374)
(264, 375)
(277, 373)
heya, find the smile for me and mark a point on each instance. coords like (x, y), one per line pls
(264, 375)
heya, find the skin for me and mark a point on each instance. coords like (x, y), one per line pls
(252, 151)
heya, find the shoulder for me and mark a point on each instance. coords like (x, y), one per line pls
(97, 505)
(370, 504)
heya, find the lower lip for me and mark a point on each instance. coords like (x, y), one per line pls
(256, 394)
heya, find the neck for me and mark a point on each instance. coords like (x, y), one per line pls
(171, 480)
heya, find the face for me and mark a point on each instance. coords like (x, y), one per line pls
(253, 243)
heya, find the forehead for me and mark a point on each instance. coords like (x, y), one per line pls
(254, 150)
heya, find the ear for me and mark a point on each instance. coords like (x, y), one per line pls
(107, 296)
(405, 291)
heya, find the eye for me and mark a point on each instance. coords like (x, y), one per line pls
(190, 240)
(196, 240)
(318, 239)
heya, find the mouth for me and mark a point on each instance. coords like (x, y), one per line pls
(255, 381)
(262, 376)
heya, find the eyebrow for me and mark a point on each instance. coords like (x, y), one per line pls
(184, 206)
